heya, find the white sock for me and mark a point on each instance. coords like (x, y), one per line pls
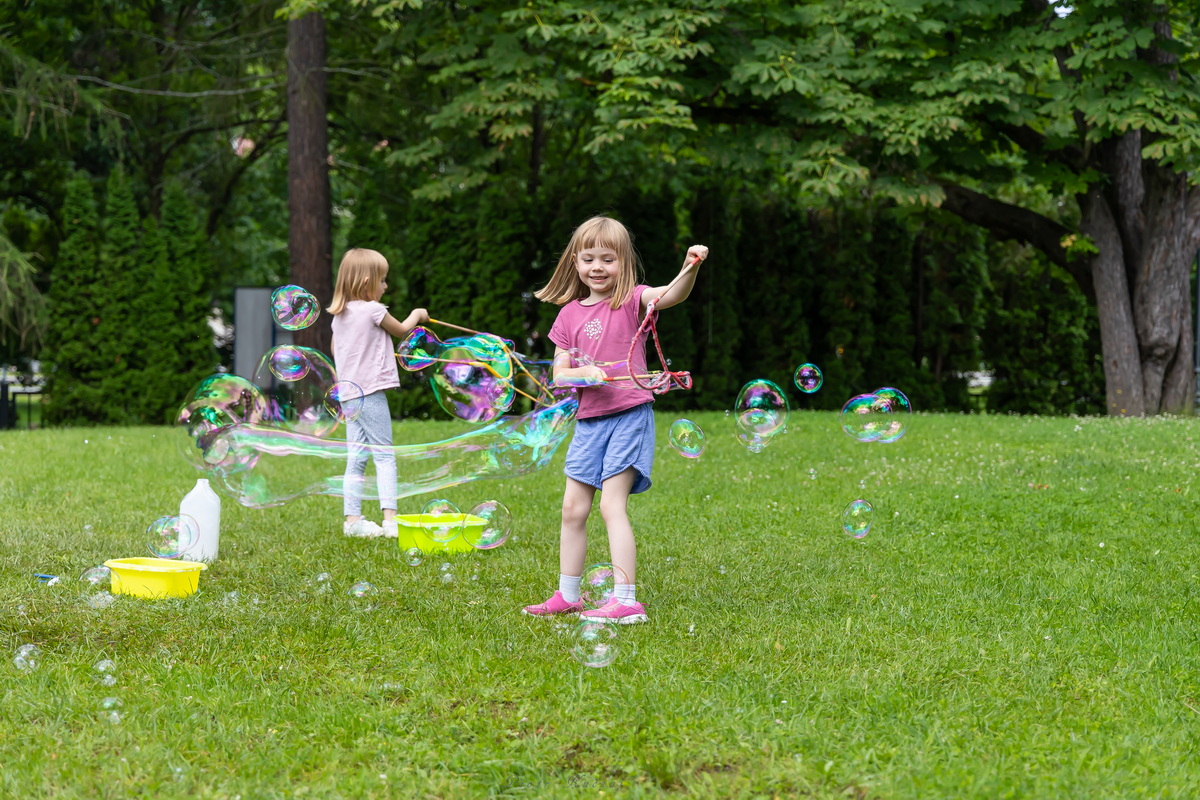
(569, 586)
(626, 593)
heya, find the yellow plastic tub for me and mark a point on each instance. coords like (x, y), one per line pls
(413, 530)
(154, 577)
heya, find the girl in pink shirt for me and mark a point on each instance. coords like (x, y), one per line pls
(364, 354)
(612, 450)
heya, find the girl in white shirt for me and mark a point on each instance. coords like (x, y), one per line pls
(364, 354)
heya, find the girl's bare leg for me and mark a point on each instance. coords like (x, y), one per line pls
(577, 504)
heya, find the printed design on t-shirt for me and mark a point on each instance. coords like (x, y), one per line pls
(593, 329)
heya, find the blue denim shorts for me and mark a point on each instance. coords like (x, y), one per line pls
(607, 446)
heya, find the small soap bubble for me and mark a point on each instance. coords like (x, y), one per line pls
(865, 417)
(172, 536)
(294, 308)
(447, 577)
(761, 408)
(687, 438)
(26, 657)
(344, 400)
(109, 703)
(808, 378)
(594, 643)
(104, 666)
(900, 410)
(100, 600)
(88, 529)
(598, 584)
(287, 363)
(496, 524)
(362, 589)
(856, 518)
(323, 583)
(441, 520)
(96, 576)
(414, 556)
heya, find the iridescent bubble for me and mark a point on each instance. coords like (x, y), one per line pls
(362, 589)
(901, 411)
(282, 465)
(294, 308)
(598, 584)
(865, 417)
(593, 644)
(856, 518)
(752, 441)
(473, 379)
(344, 401)
(96, 576)
(419, 349)
(286, 362)
(414, 556)
(761, 408)
(687, 438)
(172, 536)
(808, 378)
(26, 657)
(441, 520)
(299, 405)
(215, 404)
(497, 523)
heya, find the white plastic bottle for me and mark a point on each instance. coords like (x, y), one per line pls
(203, 505)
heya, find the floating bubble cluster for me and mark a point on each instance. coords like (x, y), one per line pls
(26, 657)
(687, 438)
(294, 308)
(472, 376)
(298, 403)
(172, 536)
(808, 378)
(761, 413)
(880, 416)
(262, 466)
(856, 518)
(497, 524)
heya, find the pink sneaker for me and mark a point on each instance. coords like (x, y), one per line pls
(552, 607)
(617, 612)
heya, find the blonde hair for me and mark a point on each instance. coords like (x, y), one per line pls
(565, 284)
(358, 275)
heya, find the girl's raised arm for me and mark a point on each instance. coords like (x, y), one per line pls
(677, 290)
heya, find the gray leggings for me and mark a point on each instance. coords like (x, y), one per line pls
(373, 427)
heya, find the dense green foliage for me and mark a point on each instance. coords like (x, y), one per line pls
(1020, 622)
(806, 144)
(129, 335)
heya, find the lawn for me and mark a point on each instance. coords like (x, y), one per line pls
(1020, 621)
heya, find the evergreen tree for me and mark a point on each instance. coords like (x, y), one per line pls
(153, 332)
(117, 285)
(75, 365)
(188, 277)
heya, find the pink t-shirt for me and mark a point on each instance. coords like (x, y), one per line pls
(604, 333)
(363, 351)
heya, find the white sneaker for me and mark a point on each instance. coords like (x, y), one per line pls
(391, 529)
(362, 528)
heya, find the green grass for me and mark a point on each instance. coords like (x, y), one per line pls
(1020, 622)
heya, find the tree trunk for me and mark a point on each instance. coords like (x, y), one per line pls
(1118, 338)
(309, 233)
(1162, 308)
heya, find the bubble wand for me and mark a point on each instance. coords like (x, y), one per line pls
(660, 382)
